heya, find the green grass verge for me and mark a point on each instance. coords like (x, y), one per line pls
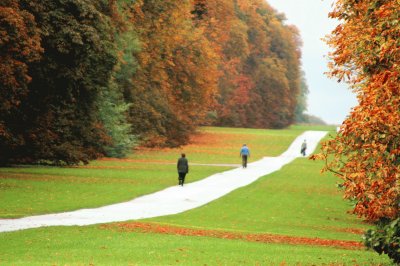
(37, 190)
(295, 201)
(222, 145)
(94, 246)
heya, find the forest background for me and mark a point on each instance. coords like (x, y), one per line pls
(84, 79)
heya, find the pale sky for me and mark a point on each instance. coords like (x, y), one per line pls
(327, 99)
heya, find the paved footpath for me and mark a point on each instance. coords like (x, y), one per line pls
(171, 200)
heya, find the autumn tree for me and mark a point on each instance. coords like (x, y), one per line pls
(19, 46)
(365, 152)
(259, 60)
(84, 78)
(58, 119)
(274, 65)
(175, 83)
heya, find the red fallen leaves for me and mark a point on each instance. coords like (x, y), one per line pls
(69, 179)
(105, 159)
(263, 238)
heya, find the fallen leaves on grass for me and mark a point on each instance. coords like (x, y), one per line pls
(117, 167)
(263, 238)
(126, 160)
(67, 179)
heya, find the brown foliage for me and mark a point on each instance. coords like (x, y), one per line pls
(19, 45)
(176, 82)
(259, 61)
(366, 152)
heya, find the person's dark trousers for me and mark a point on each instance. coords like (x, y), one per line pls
(244, 161)
(182, 178)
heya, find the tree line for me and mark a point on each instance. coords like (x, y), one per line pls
(83, 79)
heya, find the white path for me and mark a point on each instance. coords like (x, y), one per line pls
(173, 199)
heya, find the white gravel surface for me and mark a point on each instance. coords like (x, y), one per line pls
(171, 200)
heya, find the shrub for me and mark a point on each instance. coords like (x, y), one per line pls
(385, 239)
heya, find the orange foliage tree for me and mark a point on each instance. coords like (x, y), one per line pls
(176, 81)
(19, 45)
(365, 154)
(259, 60)
(54, 119)
(228, 34)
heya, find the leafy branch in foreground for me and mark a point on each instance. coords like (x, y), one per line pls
(365, 154)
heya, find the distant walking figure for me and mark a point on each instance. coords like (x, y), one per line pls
(244, 152)
(303, 148)
(183, 169)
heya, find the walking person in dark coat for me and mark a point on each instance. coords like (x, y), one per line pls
(183, 168)
(303, 148)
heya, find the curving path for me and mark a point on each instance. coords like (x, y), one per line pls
(171, 200)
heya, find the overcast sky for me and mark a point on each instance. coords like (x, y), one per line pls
(327, 99)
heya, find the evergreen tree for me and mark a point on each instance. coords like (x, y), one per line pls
(301, 107)
(113, 115)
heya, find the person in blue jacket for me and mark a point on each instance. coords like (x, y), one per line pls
(244, 153)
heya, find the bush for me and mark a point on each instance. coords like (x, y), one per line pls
(385, 238)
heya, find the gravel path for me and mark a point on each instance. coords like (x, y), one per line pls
(171, 200)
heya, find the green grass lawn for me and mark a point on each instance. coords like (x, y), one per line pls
(36, 190)
(296, 201)
(222, 145)
(92, 245)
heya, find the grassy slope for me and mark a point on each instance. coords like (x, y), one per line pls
(36, 190)
(222, 145)
(296, 201)
(91, 245)
(28, 191)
